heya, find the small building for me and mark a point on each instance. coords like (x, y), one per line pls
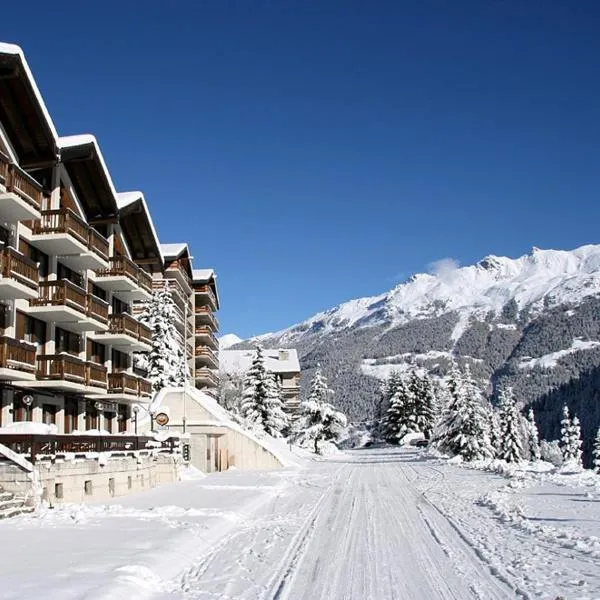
(283, 362)
(216, 442)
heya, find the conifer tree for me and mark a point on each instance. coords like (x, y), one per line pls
(570, 438)
(165, 362)
(596, 452)
(318, 420)
(465, 429)
(533, 437)
(424, 403)
(396, 417)
(495, 437)
(511, 446)
(261, 404)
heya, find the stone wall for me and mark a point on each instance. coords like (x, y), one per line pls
(90, 479)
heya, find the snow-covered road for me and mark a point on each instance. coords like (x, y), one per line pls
(371, 524)
(359, 527)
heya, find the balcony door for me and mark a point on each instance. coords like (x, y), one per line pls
(21, 412)
(91, 416)
(49, 414)
(71, 414)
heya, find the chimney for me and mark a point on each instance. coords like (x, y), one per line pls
(284, 355)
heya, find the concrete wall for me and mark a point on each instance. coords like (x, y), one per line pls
(91, 479)
(215, 443)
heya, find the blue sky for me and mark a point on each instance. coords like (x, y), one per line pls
(314, 152)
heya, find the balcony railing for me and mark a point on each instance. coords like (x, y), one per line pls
(49, 446)
(205, 332)
(19, 267)
(20, 183)
(127, 383)
(61, 293)
(17, 355)
(97, 243)
(206, 290)
(97, 308)
(124, 323)
(204, 313)
(206, 375)
(64, 220)
(174, 286)
(206, 352)
(121, 266)
(61, 367)
(95, 375)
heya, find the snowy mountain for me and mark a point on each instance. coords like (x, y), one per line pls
(228, 340)
(532, 322)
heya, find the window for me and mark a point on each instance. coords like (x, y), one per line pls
(71, 414)
(87, 487)
(119, 306)
(96, 352)
(30, 329)
(49, 414)
(58, 491)
(68, 342)
(120, 361)
(21, 412)
(63, 272)
(96, 291)
(35, 255)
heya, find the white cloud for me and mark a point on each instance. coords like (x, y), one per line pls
(443, 266)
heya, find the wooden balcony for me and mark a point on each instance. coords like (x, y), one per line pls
(127, 384)
(204, 315)
(17, 359)
(96, 375)
(64, 233)
(20, 194)
(178, 291)
(205, 377)
(48, 447)
(126, 333)
(63, 369)
(204, 294)
(125, 279)
(19, 275)
(69, 306)
(205, 335)
(205, 356)
(97, 309)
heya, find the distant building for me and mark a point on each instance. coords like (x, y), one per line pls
(283, 362)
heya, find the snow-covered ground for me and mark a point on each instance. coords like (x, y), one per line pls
(374, 523)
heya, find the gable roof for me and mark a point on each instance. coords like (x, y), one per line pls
(90, 176)
(138, 228)
(237, 362)
(23, 112)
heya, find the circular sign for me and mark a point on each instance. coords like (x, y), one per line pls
(161, 418)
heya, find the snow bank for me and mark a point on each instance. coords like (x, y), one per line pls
(27, 427)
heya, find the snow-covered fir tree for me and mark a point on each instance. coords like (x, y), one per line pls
(261, 405)
(387, 391)
(570, 438)
(511, 445)
(165, 362)
(596, 453)
(399, 417)
(318, 420)
(423, 403)
(495, 438)
(464, 430)
(533, 437)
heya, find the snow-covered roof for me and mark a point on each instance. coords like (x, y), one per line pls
(277, 361)
(202, 275)
(125, 199)
(173, 250)
(86, 139)
(17, 51)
